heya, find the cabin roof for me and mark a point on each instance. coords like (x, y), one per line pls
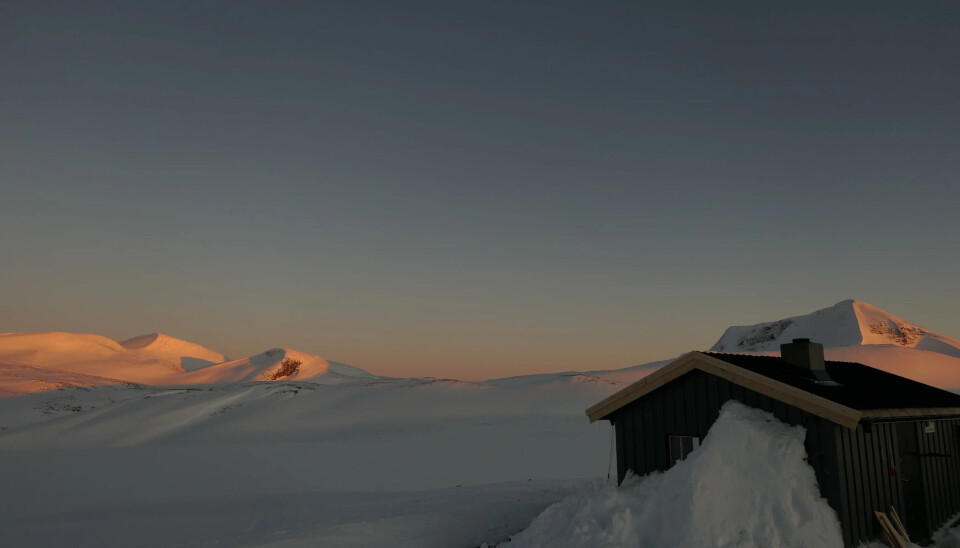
(855, 392)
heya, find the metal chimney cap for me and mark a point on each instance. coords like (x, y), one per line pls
(801, 340)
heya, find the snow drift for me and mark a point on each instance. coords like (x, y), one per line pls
(748, 485)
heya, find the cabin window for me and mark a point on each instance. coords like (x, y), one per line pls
(681, 446)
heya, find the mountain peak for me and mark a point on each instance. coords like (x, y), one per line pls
(847, 323)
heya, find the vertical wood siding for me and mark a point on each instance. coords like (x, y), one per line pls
(870, 479)
(940, 466)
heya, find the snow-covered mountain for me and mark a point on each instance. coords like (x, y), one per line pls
(856, 331)
(846, 323)
(36, 362)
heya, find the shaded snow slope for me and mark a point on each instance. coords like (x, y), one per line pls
(748, 485)
(17, 379)
(157, 346)
(275, 364)
(846, 323)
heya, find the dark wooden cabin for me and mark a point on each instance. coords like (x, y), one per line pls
(874, 439)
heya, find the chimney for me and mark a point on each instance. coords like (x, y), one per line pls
(806, 354)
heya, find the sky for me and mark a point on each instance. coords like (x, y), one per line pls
(474, 189)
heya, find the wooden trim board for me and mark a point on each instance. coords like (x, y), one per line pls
(796, 397)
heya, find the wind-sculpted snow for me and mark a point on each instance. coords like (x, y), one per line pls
(747, 486)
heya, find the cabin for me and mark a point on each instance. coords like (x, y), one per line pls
(874, 439)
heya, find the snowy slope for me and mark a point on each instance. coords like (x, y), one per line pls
(164, 348)
(846, 323)
(274, 364)
(83, 354)
(137, 457)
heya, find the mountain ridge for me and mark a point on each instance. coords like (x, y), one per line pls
(847, 323)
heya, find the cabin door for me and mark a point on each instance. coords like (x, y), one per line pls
(911, 481)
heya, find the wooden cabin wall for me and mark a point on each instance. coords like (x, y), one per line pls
(870, 479)
(690, 404)
(875, 470)
(940, 466)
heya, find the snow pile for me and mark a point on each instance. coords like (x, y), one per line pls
(748, 485)
(946, 537)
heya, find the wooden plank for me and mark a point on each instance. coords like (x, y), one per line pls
(639, 458)
(863, 482)
(843, 486)
(895, 518)
(621, 459)
(893, 538)
(629, 432)
(860, 506)
(911, 412)
(659, 437)
(649, 447)
(713, 399)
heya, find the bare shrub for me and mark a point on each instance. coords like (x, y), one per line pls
(288, 367)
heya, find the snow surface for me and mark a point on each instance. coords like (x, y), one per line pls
(157, 346)
(129, 444)
(369, 462)
(748, 485)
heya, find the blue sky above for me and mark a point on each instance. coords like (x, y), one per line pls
(474, 189)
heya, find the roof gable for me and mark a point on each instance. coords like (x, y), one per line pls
(860, 391)
(811, 403)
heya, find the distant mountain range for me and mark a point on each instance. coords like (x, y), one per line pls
(850, 330)
(34, 362)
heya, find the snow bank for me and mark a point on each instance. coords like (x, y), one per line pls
(748, 485)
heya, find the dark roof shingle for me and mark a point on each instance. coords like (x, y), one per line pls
(856, 386)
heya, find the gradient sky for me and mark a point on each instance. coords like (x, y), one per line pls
(474, 189)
